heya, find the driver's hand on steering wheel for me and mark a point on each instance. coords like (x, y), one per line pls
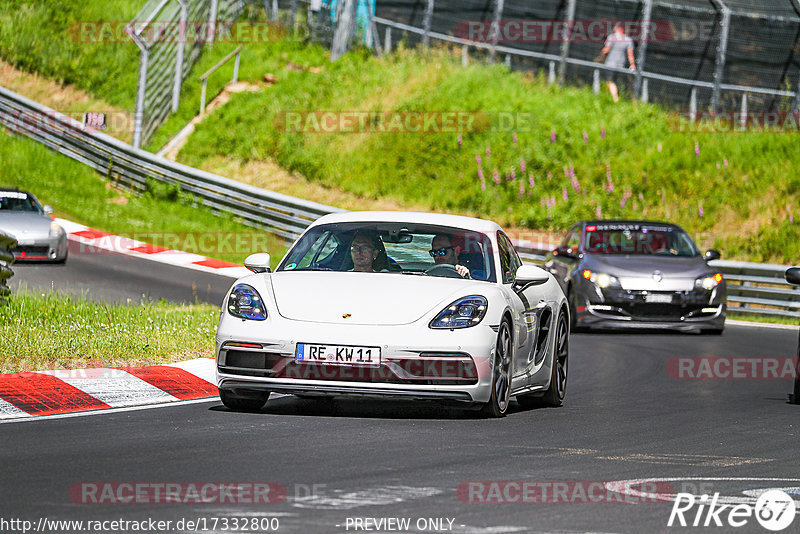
(463, 271)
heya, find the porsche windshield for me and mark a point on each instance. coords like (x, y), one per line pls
(639, 239)
(405, 248)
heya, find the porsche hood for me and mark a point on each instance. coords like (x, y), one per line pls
(364, 298)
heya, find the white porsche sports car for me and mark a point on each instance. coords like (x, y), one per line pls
(392, 304)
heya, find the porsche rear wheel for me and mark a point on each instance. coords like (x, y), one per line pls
(252, 403)
(501, 374)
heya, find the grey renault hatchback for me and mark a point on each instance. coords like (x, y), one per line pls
(638, 274)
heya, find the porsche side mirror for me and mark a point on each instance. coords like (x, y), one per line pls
(258, 263)
(793, 275)
(712, 254)
(530, 275)
(48, 210)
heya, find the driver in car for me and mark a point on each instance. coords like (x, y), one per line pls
(444, 253)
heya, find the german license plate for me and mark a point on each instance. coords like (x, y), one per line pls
(337, 354)
(660, 299)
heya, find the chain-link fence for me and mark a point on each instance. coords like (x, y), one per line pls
(170, 35)
(690, 54)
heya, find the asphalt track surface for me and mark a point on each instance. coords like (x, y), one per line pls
(624, 418)
(112, 277)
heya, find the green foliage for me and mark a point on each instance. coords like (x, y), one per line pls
(52, 331)
(63, 41)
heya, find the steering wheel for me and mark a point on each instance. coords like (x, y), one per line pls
(443, 269)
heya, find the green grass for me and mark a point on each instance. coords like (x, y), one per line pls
(43, 36)
(742, 183)
(162, 217)
(53, 331)
(759, 318)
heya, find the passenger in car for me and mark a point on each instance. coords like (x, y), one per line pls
(368, 253)
(445, 253)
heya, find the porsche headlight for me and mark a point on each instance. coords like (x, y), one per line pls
(244, 302)
(463, 313)
(709, 281)
(601, 280)
(55, 229)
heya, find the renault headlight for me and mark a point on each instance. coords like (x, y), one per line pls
(601, 280)
(709, 281)
(463, 313)
(244, 302)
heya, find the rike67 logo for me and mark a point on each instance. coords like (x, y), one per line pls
(774, 510)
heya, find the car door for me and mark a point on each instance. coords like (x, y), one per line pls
(524, 324)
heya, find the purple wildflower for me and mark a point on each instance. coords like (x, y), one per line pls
(478, 159)
(564, 194)
(696, 149)
(598, 212)
(480, 173)
(549, 175)
(521, 165)
(700, 209)
(552, 136)
(460, 140)
(488, 152)
(789, 211)
(602, 132)
(659, 147)
(521, 189)
(513, 174)
(514, 138)
(724, 162)
(496, 176)
(622, 201)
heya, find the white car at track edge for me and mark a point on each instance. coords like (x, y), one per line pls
(411, 329)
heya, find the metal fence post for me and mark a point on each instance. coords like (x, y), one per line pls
(345, 26)
(236, 68)
(693, 104)
(212, 22)
(743, 117)
(562, 68)
(551, 73)
(274, 10)
(796, 101)
(596, 81)
(719, 65)
(176, 88)
(138, 114)
(426, 23)
(464, 56)
(644, 96)
(498, 15)
(387, 40)
(643, 39)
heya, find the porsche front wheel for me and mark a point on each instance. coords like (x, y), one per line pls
(501, 374)
(252, 403)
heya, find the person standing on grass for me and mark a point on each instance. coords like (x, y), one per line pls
(617, 46)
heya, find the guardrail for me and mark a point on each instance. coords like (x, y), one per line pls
(132, 168)
(759, 288)
(752, 287)
(6, 259)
